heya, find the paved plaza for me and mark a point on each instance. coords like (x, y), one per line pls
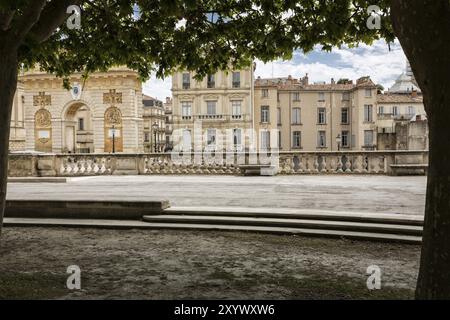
(374, 194)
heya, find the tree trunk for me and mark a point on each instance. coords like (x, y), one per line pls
(422, 27)
(8, 85)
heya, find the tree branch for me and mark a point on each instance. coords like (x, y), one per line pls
(6, 18)
(28, 19)
(52, 17)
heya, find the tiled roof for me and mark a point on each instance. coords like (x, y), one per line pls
(399, 98)
(290, 83)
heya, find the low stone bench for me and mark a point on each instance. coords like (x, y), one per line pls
(409, 169)
(258, 170)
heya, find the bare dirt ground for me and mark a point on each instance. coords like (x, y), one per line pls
(142, 264)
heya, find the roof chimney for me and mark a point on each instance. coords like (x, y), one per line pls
(305, 80)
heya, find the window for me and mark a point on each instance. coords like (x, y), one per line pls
(211, 82)
(265, 93)
(211, 137)
(186, 109)
(381, 110)
(345, 96)
(186, 80)
(344, 139)
(296, 139)
(236, 79)
(296, 116)
(211, 107)
(237, 137)
(368, 113)
(321, 96)
(236, 108)
(368, 138)
(322, 119)
(296, 96)
(321, 139)
(81, 124)
(146, 137)
(279, 116)
(265, 114)
(368, 93)
(344, 116)
(395, 110)
(265, 140)
(411, 110)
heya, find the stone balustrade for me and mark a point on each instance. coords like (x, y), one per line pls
(288, 163)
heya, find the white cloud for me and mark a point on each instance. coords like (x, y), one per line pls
(377, 61)
(158, 88)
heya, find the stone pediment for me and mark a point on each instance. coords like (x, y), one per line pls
(236, 96)
(186, 97)
(210, 97)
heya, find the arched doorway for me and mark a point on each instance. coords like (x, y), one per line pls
(43, 131)
(78, 129)
(113, 130)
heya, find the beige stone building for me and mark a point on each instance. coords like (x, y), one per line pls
(219, 107)
(154, 125)
(103, 114)
(168, 111)
(17, 131)
(315, 117)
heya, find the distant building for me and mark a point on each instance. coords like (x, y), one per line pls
(17, 131)
(316, 117)
(221, 103)
(168, 111)
(154, 125)
(101, 114)
(402, 120)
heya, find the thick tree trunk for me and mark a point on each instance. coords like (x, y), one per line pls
(422, 27)
(8, 85)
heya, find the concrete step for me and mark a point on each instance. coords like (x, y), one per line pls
(287, 223)
(87, 209)
(37, 180)
(307, 214)
(133, 224)
(384, 237)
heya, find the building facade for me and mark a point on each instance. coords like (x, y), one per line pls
(218, 109)
(17, 131)
(315, 117)
(103, 114)
(154, 125)
(168, 111)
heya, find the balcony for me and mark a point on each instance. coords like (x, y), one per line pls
(218, 117)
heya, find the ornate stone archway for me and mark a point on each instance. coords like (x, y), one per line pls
(113, 128)
(77, 124)
(43, 130)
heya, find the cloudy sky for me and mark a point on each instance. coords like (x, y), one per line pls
(376, 61)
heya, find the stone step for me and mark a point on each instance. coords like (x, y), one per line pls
(134, 224)
(384, 237)
(307, 214)
(287, 223)
(86, 209)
